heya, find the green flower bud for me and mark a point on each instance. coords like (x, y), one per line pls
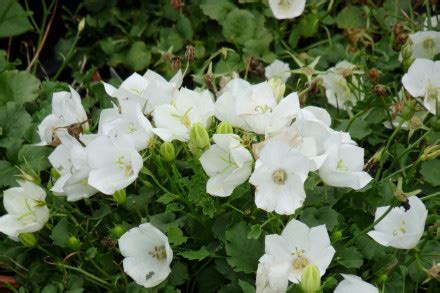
(54, 173)
(382, 279)
(311, 279)
(336, 235)
(167, 151)
(28, 239)
(430, 152)
(224, 128)
(117, 231)
(408, 110)
(120, 196)
(74, 243)
(81, 25)
(278, 88)
(197, 152)
(198, 136)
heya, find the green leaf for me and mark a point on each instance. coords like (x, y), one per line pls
(170, 38)
(359, 128)
(13, 19)
(184, 28)
(91, 252)
(431, 172)
(200, 254)
(322, 216)
(179, 274)
(62, 231)
(217, 9)
(243, 253)
(8, 174)
(35, 157)
(350, 258)
(246, 287)
(167, 198)
(175, 236)
(308, 25)
(255, 232)
(138, 57)
(351, 17)
(18, 87)
(239, 26)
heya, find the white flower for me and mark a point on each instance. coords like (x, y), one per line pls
(147, 255)
(434, 22)
(401, 229)
(423, 80)
(70, 160)
(300, 246)
(344, 164)
(424, 44)
(352, 283)
(66, 110)
(148, 91)
(114, 163)
(278, 69)
(279, 176)
(272, 275)
(26, 209)
(227, 163)
(283, 9)
(173, 121)
(130, 124)
(337, 87)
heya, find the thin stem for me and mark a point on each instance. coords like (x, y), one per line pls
(382, 161)
(430, 196)
(90, 276)
(68, 57)
(348, 243)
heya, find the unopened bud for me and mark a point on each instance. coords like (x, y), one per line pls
(28, 239)
(120, 196)
(224, 128)
(373, 73)
(382, 279)
(74, 243)
(408, 110)
(81, 25)
(117, 231)
(278, 88)
(336, 235)
(380, 90)
(311, 279)
(190, 52)
(198, 136)
(430, 152)
(167, 151)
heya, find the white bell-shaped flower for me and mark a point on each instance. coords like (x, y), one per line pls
(300, 246)
(26, 209)
(114, 163)
(66, 111)
(147, 253)
(285, 9)
(148, 91)
(129, 123)
(70, 160)
(424, 44)
(173, 121)
(227, 163)
(279, 176)
(352, 283)
(423, 80)
(401, 229)
(278, 69)
(344, 164)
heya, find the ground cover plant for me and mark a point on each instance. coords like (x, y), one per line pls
(219, 146)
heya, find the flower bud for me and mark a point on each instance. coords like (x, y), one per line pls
(430, 152)
(382, 279)
(406, 51)
(336, 235)
(224, 128)
(54, 173)
(167, 151)
(408, 110)
(120, 196)
(278, 88)
(117, 231)
(197, 152)
(198, 136)
(74, 243)
(28, 239)
(81, 25)
(311, 279)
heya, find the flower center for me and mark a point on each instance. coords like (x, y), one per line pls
(279, 176)
(127, 167)
(261, 109)
(429, 44)
(415, 122)
(401, 229)
(159, 253)
(285, 3)
(340, 166)
(301, 261)
(432, 92)
(131, 128)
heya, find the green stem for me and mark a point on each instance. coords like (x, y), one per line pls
(430, 196)
(348, 243)
(68, 57)
(382, 161)
(90, 276)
